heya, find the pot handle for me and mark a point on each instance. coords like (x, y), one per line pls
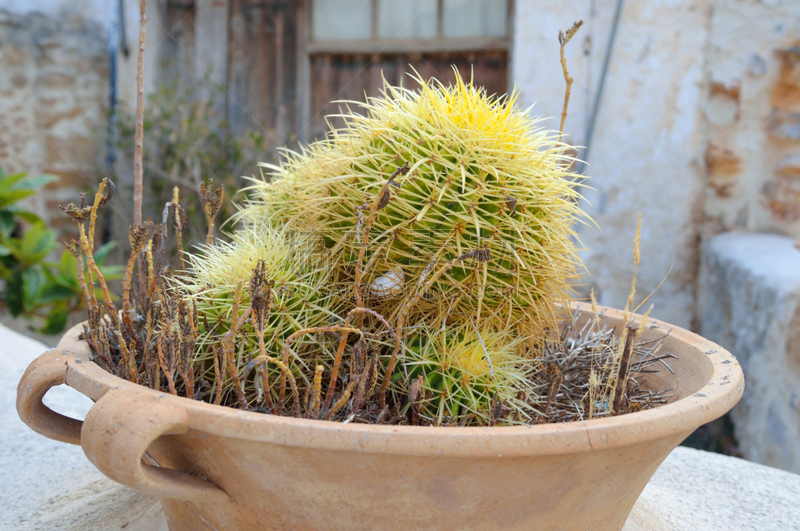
(117, 432)
(48, 370)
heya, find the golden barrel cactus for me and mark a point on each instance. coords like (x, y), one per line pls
(466, 171)
(294, 277)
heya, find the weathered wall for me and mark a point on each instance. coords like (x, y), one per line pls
(698, 128)
(52, 101)
(647, 143)
(752, 110)
(54, 91)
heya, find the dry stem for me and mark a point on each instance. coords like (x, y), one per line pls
(343, 342)
(624, 363)
(139, 134)
(379, 203)
(229, 343)
(317, 391)
(480, 254)
(299, 333)
(563, 39)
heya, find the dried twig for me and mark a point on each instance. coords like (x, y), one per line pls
(300, 333)
(624, 362)
(212, 204)
(481, 255)
(229, 344)
(261, 307)
(379, 203)
(563, 39)
(139, 134)
(343, 342)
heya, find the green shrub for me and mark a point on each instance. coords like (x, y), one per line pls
(32, 286)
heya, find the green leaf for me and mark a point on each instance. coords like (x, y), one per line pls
(33, 281)
(113, 272)
(9, 182)
(9, 197)
(30, 217)
(13, 293)
(7, 223)
(55, 292)
(101, 253)
(36, 181)
(4, 251)
(36, 244)
(56, 320)
(67, 265)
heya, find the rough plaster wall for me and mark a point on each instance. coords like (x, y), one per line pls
(536, 66)
(752, 111)
(647, 148)
(52, 106)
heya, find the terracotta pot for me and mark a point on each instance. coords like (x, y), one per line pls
(220, 468)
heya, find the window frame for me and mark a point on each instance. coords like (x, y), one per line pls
(440, 43)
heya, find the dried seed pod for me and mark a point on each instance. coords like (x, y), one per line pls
(79, 215)
(138, 234)
(260, 296)
(212, 199)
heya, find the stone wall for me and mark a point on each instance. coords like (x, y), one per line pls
(749, 302)
(698, 128)
(53, 102)
(54, 92)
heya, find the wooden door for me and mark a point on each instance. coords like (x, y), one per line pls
(351, 76)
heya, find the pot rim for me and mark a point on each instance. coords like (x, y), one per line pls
(718, 395)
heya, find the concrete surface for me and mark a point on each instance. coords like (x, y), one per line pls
(749, 302)
(50, 485)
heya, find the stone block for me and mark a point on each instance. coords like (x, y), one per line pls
(748, 301)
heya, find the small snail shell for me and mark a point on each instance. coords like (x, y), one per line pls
(389, 284)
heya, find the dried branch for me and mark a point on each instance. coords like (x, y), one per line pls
(139, 135)
(167, 362)
(317, 391)
(229, 344)
(624, 363)
(137, 236)
(300, 333)
(482, 255)
(380, 202)
(285, 373)
(261, 307)
(343, 342)
(212, 204)
(563, 39)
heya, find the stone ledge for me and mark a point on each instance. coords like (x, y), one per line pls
(47, 485)
(748, 297)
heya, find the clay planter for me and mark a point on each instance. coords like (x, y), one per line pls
(220, 468)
